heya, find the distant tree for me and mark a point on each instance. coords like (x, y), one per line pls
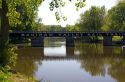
(92, 19)
(72, 28)
(54, 28)
(121, 0)
(116, 17)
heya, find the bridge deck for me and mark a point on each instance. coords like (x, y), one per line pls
(64, 34)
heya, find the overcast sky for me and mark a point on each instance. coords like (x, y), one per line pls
(48, 17)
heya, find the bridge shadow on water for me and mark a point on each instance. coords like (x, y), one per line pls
(73, 49)
(78, 52)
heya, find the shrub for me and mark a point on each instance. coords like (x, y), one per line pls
(8, 55)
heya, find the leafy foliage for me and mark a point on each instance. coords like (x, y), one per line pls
(79, 4)
(9, 56)
(116, 17)
(24, 14)
(92, 19)
(57, 4)
(72, 28)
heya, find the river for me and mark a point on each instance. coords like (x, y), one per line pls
(86, 62)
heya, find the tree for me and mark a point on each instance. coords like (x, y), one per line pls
(27, 10)
(92, 19)
(4, 32)
(11, 16)
(72, 28)
(116, 17)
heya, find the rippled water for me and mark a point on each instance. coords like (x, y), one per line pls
(83, 63)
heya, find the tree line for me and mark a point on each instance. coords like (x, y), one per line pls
(98, 19)
(95, 19)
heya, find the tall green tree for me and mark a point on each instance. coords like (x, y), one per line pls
(92, 19)
(4, 32)
(27, 10)
(11, 17)
(116, 17)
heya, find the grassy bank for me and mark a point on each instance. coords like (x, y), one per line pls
(7, 75)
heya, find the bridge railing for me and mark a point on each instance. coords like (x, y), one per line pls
(64, 34)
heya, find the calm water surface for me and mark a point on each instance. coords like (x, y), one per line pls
(82, 63)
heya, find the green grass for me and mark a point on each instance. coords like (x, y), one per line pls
(6, 76)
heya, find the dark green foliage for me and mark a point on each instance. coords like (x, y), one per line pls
(72, 28)
(4, 75)
(25, 15)
(92, 19)
(116, 17)
(8, 55)
(54, 28)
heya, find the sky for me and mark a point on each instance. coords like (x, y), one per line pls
(69, 10)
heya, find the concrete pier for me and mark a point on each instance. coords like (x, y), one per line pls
(70, 42)
(70, 51)
(37, 42)
(107, 40)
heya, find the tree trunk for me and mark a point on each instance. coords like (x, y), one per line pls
(4, 31)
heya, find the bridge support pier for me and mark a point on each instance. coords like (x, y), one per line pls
(123, 49)
(107, 40)
(107, 51)
(70, 42)
(70, 51)
(123, 40)
(37, 42)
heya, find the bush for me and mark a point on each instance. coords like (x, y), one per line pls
(8, 55)
(4, 75)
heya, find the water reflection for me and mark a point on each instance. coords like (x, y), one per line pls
(55, 51)
(27, 58)
(117, 70)
(82, 63)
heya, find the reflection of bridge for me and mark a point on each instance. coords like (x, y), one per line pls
(37, 38)
(38, 53)
(74, 57)
(33, 53)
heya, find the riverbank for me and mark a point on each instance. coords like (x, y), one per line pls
(11, 76)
